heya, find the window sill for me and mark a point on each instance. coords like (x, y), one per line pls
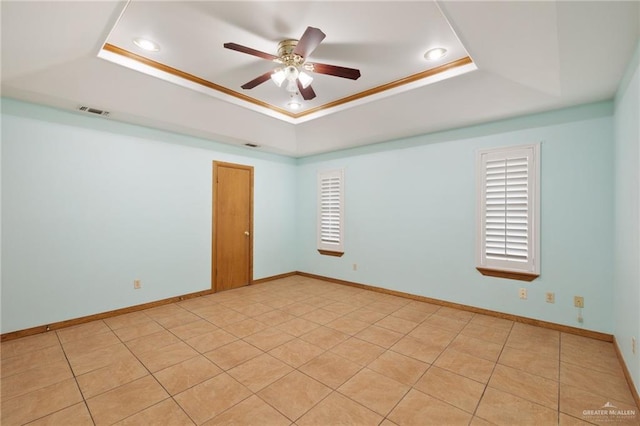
(520, 276)
(331, 253)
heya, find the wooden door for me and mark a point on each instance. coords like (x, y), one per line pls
(232, 262)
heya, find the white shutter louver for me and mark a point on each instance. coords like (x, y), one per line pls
(330, 211)
(508, 209)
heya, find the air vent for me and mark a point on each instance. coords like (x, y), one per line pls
(251, 145)
(94, 111)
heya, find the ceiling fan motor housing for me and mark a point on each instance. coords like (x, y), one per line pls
(286, 55)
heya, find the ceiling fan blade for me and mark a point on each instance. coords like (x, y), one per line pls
(308, 93)
(335, 70)
(309, 41)
(258, 80)
(250, 51)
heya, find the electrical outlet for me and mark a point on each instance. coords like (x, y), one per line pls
(634, 345)
(355, 266)
(137, 284)
(578, 301)
(550, 297)
(523, 293)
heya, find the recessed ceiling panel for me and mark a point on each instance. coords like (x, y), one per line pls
(385, 43)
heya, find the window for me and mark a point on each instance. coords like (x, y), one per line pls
(331, 212)
(508, 212)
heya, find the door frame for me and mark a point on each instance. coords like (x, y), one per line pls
(214, 237)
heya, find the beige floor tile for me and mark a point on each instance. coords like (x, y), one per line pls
(423, 306)
(78, 348)
(590, 353)
(211, 340)
(419, 349)
(254, 309)
(374, 391)
(528, 386)
(446, 323)
(111, 376)
(75, 415)
(40, 403)
(167, 412)
(576, 402)
(454, 313)
(268, 339)
(476, 347)
(298, 308)
(411, 314)
(210, 398)
(366, 315)
(433, 335)
(340, 308)
(347, 325)
(138, 330)
(297, 326)
(531, 362)
(152, 341)
(156, 360)
(182, 376)
(296, 352)
(493, 322)
(321, 316)
(183, 318)
(606, 385)
(417, 408)
(121, 402)
(29, 360)
(294, 394)
(259, 372)
(384, 306)
(506, 409)
(330, 369)
(245, 327)
(319, 301)
(379, 336)
(337, 409)
(81, 331)
(35, 378)
(251, 412)
(465, 365)
(278, 302)
(233, 354)
(193, 329)
(399, 367)
(567, 420)
(164, 311)
(224, 317)
(126, 320)
(358, 351)
(477, 421)
(490, 334)
(99, 358)
(275, 317)
(28, 344)
(452, 388)
(325, 337)
(397, 324)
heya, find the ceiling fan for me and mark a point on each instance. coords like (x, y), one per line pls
(292, 55)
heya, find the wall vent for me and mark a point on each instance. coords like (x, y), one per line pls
(94, 111)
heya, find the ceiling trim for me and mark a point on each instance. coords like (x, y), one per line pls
(448, 67)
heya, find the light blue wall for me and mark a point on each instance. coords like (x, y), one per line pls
(89, 205)
(411, 216)
(626, 315)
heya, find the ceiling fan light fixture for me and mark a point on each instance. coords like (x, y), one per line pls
(305, 79)
(146, 44)
(294, 104)
(278, 77)
(435, 53)
(291, 73)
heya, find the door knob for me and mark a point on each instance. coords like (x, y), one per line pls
(246, 233)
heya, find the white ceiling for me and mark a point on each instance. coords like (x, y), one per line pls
(530, 57)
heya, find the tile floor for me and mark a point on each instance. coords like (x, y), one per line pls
(306, 352)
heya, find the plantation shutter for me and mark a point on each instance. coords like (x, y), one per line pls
(331, 208)
(507, 209)
(508, 206)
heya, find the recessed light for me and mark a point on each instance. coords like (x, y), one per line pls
(435, 53)
(146, 44)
